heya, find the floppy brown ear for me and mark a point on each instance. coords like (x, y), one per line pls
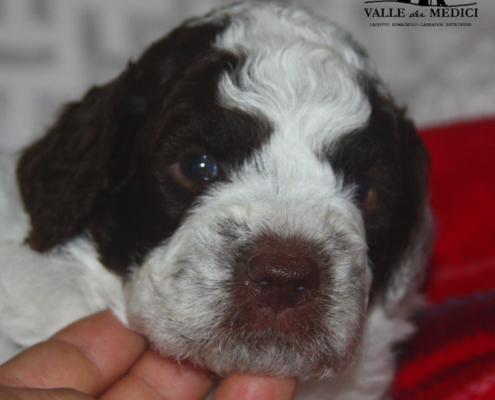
(61, 175)
(73, 174)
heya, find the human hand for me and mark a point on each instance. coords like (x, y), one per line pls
(97, 357)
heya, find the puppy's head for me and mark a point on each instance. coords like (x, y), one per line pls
(253, 184)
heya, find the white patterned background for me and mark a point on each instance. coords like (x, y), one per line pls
(51, 51)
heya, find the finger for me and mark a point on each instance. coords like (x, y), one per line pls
(88, 356)
(154, 377)
(250, 387)
(8, 393)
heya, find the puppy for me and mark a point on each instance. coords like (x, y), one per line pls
(246, 194)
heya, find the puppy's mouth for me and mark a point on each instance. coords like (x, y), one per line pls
(264, 325)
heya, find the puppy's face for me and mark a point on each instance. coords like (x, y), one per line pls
(251, 182)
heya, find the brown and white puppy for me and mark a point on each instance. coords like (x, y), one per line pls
(246, 194)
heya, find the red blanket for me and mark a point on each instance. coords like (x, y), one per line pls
(452, 356)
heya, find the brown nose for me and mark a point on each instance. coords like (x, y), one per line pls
(282, 280)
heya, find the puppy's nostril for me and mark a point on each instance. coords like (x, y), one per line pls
(282, 280)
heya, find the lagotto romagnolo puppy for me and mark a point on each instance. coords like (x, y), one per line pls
(246, 194)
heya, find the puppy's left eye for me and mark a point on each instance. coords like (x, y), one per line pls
(362, 188)
(199, 168)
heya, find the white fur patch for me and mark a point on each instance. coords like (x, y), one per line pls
(300, 73)
(42, 293)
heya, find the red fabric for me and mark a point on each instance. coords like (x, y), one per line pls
(452, 355)
(462, 186)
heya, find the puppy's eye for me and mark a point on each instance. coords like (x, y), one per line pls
(199, 168)
(362, 188)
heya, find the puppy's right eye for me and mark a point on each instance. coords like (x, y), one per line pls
(362, 188)
(199, 168)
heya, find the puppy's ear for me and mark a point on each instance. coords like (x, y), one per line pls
(393, 230)
(61, 175)
(411, 225)
(87, 154)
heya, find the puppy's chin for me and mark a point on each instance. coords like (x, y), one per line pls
(269, 352)
(313, 341)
